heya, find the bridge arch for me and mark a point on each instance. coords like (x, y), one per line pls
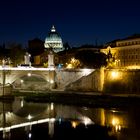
(31, 81)
(18, 75)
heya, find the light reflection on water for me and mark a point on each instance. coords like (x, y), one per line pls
(27, 119)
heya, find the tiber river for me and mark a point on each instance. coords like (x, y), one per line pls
(21, 120)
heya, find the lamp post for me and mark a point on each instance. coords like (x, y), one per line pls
(3, 87)
(3, 77)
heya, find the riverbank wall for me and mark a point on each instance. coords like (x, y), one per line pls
(109, 81)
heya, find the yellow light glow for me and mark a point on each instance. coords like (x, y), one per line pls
(114, 74)
(51, 81)
(133, 67)
(115, 121)
(74, 124)
(69, 66)
(116, 124)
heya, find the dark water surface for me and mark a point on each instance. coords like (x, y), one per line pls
(20, 120)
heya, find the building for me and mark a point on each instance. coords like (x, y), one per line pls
(126, 52)
(54, 41)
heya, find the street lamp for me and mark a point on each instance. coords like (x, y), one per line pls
(3, 76)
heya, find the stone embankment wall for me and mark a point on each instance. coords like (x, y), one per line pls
(91, 82)
(121, 81)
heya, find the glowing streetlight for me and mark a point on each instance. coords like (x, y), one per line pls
(114, 74)
(29, 74)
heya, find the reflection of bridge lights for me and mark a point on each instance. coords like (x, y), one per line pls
(87, 121)
(21, 81)
(27, 124)
(30, 135)
(29, 117)
(59, 120)
(115, 121)
(117, 128)
(74, 124)
(116, 124)
(21, 103)
(52, 106)
(51, 81)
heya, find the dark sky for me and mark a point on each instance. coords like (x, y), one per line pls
(77, 21)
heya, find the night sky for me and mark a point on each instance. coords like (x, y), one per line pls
(77, 21)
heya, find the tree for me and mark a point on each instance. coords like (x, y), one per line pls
(35, 47)
(73, 63)
(91, 59)
(16, 53)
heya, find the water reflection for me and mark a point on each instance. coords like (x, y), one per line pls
(27, 119)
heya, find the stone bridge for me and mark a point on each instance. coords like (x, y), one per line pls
(27, 78)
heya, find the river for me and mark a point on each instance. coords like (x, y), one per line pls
(22, 120)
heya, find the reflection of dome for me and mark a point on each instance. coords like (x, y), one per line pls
(53, 40)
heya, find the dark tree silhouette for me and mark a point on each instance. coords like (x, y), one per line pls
(16, 53)
(91, 59)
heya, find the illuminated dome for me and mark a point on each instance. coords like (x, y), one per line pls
(54, 41)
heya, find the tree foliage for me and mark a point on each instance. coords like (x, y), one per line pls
(91, 59)
(16, 53)
(73, 63)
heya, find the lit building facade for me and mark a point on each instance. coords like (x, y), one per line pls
(54, 41)
(126, 52)
(52, 45)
